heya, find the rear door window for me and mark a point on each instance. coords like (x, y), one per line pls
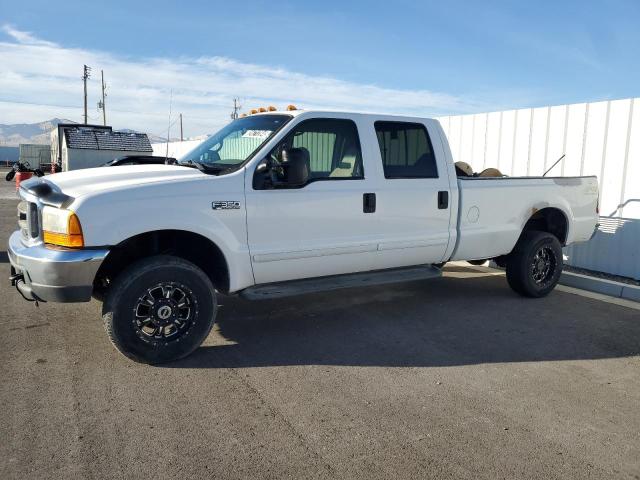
(406, 150)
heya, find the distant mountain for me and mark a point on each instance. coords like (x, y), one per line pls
(14, 135)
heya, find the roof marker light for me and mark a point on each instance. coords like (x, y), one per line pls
(272, 108)
(290, 108)
(262, 109)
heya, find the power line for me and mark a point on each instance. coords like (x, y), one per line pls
(160, 134)
(137, 112)
(22, 102)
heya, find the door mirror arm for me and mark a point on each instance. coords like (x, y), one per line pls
(263, 175)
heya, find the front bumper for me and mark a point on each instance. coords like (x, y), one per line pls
(48, 275)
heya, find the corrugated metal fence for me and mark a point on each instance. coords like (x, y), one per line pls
(600, 138)
(35, 155)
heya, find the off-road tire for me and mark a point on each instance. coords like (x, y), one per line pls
(524, 268)
(130, 291)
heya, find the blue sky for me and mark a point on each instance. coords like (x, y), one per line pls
(424, 57)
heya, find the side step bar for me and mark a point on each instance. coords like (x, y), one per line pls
(336, 282)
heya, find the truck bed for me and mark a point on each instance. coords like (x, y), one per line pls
(493, 211)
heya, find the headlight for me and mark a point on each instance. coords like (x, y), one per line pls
(61, 227)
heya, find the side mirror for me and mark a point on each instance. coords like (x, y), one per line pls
(291, 171)
(294, 167)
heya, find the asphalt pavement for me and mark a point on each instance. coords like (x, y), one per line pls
(450, 378)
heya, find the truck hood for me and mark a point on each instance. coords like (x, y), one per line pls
(94, 180)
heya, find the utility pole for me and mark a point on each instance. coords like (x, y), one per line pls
(101, 104)
(181, 137)
(236, 109)
(85, 75)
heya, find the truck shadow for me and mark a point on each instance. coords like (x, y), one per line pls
(463, 319)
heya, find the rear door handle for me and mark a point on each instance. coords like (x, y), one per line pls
(368, 202)
(443, 200)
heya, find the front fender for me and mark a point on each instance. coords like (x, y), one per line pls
(110, 218)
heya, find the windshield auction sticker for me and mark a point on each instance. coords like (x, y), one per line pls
(256, 134)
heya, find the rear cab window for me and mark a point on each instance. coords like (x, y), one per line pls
(406, 150)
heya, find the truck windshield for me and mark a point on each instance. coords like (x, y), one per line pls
(235, 143)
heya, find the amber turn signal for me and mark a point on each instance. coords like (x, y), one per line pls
(73, 237)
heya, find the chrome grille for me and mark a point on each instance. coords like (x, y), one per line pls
(28, 220)
(23, 224)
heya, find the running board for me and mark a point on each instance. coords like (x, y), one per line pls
(336, 282)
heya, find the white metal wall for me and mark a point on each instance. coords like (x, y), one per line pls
(176, 149)
(599, 138)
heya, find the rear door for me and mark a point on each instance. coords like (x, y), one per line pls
(413, 204)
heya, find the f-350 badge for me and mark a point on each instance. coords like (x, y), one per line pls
(225, 205)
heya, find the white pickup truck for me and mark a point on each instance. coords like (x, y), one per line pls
(280, 203)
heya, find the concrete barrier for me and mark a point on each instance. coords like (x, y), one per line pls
(601, 285)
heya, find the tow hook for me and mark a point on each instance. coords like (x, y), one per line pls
(16, 278)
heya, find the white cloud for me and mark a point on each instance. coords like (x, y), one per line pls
(40, 79)
(24, 37)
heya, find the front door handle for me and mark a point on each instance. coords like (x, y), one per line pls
(368, 202)
(443, 200)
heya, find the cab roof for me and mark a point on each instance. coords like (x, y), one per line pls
(314, 112)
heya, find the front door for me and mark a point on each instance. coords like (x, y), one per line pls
(320, 228)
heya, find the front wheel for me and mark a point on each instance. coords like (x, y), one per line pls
(159, 309)
(535, 264)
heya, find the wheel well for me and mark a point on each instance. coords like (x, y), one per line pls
(188, 245)
(551, 220)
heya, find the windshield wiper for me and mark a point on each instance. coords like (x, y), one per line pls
(190, 163)
(207, 168)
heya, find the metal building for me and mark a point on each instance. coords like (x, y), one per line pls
(599, 138)
(85, 146)
(57, 138)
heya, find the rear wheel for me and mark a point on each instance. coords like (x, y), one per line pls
(159, 309)
(535, 265)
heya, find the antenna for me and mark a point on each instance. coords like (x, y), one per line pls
(557, 161)
(166, 157)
